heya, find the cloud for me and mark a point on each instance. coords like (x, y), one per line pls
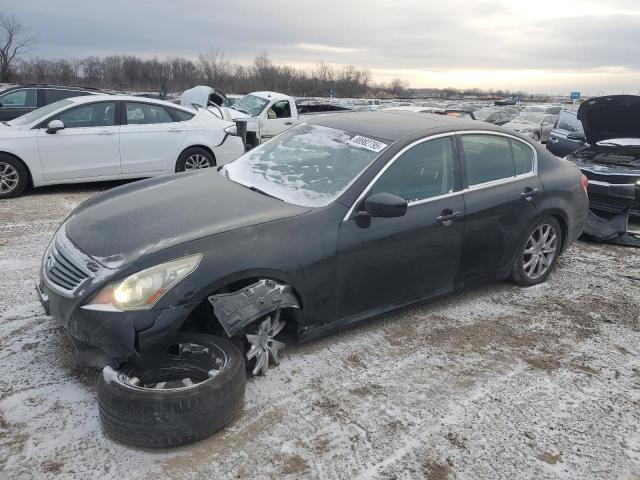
(435, 42)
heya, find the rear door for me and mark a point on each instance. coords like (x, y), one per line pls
(500, 204)
(386, 262)
(150, 141)
(87, 147)
(18, 102)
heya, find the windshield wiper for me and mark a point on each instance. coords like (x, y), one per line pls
(257, 190)
(6, 123)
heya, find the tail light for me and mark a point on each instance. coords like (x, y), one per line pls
(584, 181)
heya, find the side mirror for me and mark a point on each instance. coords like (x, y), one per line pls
(576, 136)
(385, 205)
(1, 105)
(54, 126)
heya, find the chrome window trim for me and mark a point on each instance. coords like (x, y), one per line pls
(479, 186)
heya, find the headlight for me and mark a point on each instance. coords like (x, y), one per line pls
(142, 290)
(232, 130)
(638, 183)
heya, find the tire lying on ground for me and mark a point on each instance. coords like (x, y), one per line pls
(197, 389)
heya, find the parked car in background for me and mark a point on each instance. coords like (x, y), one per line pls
(611, 157)
(535, 125)
(505, 101)
(550, 109)
(334, 221)
(567, 135)
(107, 137)
(492, 115)
(459, 113)
(16, 100)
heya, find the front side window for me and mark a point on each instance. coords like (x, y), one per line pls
(24, 98)
(308, 165)
(280, 110)
(146, 113)
(422, 172)
(488, 158)
(101, 114)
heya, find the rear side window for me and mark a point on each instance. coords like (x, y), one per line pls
(53, 95)
(24, 98)
(146, 113)
(522, 157)
(488, 158)
(422, 172)
(569, 123)
(180, 115)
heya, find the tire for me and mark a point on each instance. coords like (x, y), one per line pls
(519, 274)
(14, 177)
(140, 415)
(195, 158)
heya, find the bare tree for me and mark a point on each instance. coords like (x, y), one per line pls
(13, 43)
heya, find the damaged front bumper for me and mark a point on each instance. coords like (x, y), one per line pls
(609, 208)
(104, 337)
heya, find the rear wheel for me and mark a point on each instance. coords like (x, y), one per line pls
(539, 253)
(194, 158)
(13, 177)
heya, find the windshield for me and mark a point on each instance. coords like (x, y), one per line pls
(484, 113)
(39, 113)
(308, 165)
(251, 105)
(529, 118)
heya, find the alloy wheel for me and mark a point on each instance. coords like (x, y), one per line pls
(8, 177)
(540, 251)
(196, 161)
(262, 343)
(190, 366)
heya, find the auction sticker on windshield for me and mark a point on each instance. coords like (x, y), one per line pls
(368, 143)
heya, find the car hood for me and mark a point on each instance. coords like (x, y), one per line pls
(145, 217)
(517, 126)
(614, 116)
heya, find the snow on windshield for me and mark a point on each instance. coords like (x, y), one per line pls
(529, 118)
(309, 165)
(251, 105)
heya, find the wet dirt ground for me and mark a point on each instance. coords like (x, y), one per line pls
(493, 382)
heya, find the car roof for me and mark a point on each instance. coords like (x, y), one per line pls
(394, 125)
(128, 98)
(270, 95)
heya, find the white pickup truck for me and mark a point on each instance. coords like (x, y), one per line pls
(267, 113)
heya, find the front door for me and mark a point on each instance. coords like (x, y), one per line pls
(150, 141)
(387, 262)
(87, 147)
(277, 119)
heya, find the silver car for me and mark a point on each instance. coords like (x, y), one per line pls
(536, 125)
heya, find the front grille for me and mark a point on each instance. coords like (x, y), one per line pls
(63, 269)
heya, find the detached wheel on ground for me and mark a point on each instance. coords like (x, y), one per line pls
(13, 177)
(197, 389)
(194, 158)
(539, 253)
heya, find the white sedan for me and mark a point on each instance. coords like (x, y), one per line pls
(108, 137)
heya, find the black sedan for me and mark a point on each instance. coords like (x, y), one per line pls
(334, 221)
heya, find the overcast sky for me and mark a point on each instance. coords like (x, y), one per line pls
(551, 46)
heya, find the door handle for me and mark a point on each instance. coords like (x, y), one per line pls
(288, 123)
(448, 217)
(529, 193)
(105, 132)
(173, 130)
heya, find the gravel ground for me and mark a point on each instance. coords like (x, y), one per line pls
(494, 382)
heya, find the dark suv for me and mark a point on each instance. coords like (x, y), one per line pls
(17, 100)
(567, 136)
